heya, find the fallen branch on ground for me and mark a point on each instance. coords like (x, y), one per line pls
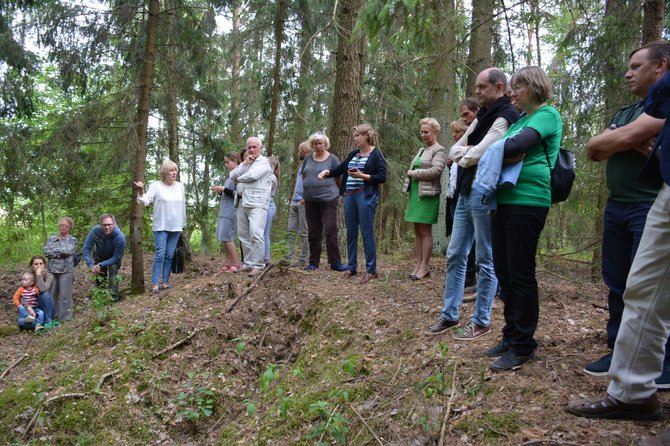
(366, 425)
(248, 290)
(32, 424)
(443, 430)
(177, 344)
(104, 377)
(12, 365)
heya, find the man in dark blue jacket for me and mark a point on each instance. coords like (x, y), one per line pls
(103, 252)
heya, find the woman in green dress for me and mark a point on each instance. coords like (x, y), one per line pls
(423, 185)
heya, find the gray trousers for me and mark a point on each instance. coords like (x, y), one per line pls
(61, 293)
(297, 227)
(645, 325)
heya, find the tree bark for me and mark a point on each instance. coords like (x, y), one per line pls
(652, 28)
(481, 38)
(441, 85)
(236, 61)
(171, 95)
(142, 125)
(347, 89)
(276, 83)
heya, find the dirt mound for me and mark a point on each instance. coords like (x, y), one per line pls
(302, 358)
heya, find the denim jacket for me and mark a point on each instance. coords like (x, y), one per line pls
(493, 175)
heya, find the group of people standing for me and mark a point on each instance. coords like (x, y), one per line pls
(247, 205)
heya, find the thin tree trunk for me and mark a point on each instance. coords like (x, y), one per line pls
(441, 85)
(652, 29)
(276, 84)
(481, 38)
(142, 124)
(171, 95)
(235, 121)
(347, 89)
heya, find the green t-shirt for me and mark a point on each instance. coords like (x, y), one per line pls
(623, 168)
(533, 186)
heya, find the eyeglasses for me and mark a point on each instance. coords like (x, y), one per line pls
(109, 224)
(518, 87)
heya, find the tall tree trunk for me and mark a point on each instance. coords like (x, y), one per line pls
(652, 29)
(142, 124)
(236, 61)
(302, 92)
(171, 94)
(441, 85)
(347, 89)
(276, 84)
(481, 38)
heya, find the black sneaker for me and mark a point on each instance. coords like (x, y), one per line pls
(511, 361)
(440, 326)
(496, 351)
(663, 381)
(601, 366)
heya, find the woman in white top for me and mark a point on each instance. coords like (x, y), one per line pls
(169, 217)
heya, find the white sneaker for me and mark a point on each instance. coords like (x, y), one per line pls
(30, 319)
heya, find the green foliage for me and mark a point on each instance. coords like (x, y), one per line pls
(196, 400)
(330, 424)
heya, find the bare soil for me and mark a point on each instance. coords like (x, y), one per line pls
(358, 350)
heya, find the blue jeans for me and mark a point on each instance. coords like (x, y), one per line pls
(46, 304)
(359, 210)
(272, 210)
(23, 314)
(166, 245)
(472, 221)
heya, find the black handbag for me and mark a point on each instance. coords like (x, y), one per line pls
(179, 259)
(562, 175)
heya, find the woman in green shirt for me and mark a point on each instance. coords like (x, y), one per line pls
(522, 211)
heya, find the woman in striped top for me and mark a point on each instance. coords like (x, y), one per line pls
(362, 172)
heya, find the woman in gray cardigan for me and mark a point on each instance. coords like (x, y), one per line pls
(423, 184)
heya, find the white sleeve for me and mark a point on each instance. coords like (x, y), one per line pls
(148, 198)
(495, 133)
(458, 150)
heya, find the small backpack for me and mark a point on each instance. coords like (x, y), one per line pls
(562, 175)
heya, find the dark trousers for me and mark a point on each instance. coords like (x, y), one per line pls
(322, 220)
(622, 230)
(109, 278)
(515, 232)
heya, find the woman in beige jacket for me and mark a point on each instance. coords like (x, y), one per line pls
(423, 185)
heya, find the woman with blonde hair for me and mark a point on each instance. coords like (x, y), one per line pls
(362, 173)
(424, 187)
(169, 217)
(522, 210)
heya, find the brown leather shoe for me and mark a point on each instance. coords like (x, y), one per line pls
(348, 274)
(610, 407)
(368, 277)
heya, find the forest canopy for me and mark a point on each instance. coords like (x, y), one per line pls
(74, 75)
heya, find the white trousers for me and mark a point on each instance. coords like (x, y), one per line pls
(640, 345)
(250, 229)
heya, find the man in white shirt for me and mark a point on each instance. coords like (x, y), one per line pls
(253, 178)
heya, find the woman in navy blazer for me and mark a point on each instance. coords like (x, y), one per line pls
(362, 172)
